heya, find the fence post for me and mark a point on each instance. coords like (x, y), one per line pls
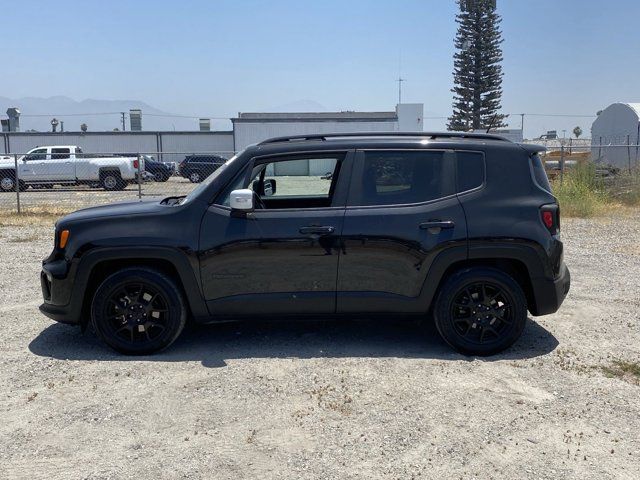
(16, 178)
(139, 177)
(600, 149)
(629, 152)
(561, 164)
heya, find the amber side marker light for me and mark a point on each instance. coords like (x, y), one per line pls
(64, 237)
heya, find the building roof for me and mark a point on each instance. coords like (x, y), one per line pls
(316, 117)
(635, 107)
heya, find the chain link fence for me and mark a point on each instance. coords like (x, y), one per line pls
(65, 178)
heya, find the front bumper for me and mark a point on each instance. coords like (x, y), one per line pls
(62, 302)
(549, 294)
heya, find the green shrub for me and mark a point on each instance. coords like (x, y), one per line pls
(580, 192)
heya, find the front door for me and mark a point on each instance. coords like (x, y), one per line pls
(283, 257)
(402, 211)
(34, 165)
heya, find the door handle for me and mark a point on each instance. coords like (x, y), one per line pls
(317, 230)
(437, 224)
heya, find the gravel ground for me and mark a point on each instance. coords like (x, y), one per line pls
(329, 400)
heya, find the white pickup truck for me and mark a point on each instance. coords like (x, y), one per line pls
(67, 165)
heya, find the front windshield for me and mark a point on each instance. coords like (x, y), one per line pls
(207, 181)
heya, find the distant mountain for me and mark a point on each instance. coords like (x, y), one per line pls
(99, 115)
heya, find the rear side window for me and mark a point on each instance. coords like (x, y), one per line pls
(59, 153)
(402, 177)
(539, 173)
(470, 170)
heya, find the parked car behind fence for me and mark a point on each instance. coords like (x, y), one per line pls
(198, 167)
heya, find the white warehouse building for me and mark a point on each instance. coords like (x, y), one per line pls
(249, 128)
(615, 135)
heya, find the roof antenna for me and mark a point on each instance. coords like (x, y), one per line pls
(400, 79)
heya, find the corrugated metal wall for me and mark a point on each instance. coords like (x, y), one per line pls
(125, 142)
(247, 133)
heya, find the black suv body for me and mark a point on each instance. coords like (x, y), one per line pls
(198, 167)
(161, 171)
(459, 227)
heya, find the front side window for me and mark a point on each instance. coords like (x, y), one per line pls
(401, 177)
(290, 182)
(38, 154)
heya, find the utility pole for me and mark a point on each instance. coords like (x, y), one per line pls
(123, 124)
(522, 124)
(400, 80)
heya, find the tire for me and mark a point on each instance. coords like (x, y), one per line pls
(138, 311)
(195, 177)
(112, 181)
(7, 183)
(480, 311)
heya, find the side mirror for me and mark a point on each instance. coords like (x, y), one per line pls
(269, 187)
(241, 200)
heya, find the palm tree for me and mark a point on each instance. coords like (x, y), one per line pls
(577, 131)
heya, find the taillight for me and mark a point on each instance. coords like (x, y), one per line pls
(136, 163)
(550, 215)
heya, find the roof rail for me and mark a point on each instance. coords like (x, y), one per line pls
(429, 135)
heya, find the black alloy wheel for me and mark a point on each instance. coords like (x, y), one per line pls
(138, 311)
(480, 311)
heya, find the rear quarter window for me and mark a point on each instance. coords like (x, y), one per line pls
(470, 170)
(539, 174)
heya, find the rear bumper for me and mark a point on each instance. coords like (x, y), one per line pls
(549, 294)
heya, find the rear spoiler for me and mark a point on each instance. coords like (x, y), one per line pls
(532, 149)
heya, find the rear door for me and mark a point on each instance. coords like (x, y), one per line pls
(61, 166)
(402, 211)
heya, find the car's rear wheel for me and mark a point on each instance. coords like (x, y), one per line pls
(480, 311)
(195, 177)
(112, 181)
(138, 311)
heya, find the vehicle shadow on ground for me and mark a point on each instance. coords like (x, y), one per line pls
(214, 344)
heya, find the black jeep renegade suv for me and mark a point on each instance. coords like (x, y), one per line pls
(459, 227)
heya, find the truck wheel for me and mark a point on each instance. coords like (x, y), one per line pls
(7, 184)
(112, 181)
(480, 311)
(138, 311)
(195, 177)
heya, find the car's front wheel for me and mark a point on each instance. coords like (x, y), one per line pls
(138, 311)
(7, 184)
(480, 311)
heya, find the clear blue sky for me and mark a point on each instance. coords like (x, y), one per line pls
(215, 58)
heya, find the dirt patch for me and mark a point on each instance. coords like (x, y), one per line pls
(357, 399)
